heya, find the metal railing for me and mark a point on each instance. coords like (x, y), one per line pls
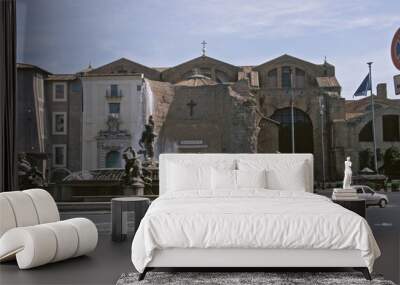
(109, 94)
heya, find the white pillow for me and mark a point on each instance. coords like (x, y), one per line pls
(182, 177)
(292, 178)
(251, 178)
(223, 179)
(282, 174)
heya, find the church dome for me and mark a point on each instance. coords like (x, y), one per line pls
(197, 80)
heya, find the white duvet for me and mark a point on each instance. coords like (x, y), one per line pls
(250, 219)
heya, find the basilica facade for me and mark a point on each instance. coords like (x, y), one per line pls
(274, 86)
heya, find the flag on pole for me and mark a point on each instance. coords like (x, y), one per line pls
(364, 87)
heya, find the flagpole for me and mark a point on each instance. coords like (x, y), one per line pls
(373, 117)
(292, 108)
(322, 110)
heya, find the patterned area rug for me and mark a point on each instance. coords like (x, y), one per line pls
(243, 278)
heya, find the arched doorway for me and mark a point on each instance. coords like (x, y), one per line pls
(113, 159)
(303, 131)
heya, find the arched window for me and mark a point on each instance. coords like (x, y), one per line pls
(303, 130)
(221, 76)
(390, 127)
(300, 78)
(206, 72)
(272, 78)
(113, 159)
(286, 77)
(365, 134)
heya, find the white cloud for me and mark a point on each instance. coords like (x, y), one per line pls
(285, 18)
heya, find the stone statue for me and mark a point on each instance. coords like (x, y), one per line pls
(36, 177)
(151, 122)
(28, 176)
(147, 139)
(113, 124)
(347, 173)
(133, 166)
(24, 166)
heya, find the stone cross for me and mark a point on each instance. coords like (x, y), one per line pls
(191, 105)
(204, 47)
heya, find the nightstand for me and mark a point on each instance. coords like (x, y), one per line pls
(120, 210)
(357, 206)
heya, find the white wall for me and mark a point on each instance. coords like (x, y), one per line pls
(96, 111)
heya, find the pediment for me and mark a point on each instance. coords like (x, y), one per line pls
(205, 60)
(201, 63)
(287, 59)
(125, 66)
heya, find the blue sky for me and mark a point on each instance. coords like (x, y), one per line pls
(63, 36)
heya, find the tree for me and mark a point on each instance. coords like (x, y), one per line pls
(366, 158)
(392, 162)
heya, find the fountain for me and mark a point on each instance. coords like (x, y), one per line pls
(148, 101)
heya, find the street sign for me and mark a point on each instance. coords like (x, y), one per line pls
(396, 49)
(396, 79)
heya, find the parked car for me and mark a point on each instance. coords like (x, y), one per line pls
(371, 197)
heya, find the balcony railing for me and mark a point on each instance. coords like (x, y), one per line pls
(113, 95)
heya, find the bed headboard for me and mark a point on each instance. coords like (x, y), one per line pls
(217, 158)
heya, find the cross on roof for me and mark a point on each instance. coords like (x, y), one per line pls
(204, 47)
(191, 105)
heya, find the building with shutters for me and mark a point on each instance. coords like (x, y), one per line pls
(63, 94)
(114, 114)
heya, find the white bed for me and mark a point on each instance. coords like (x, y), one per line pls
(197, 223)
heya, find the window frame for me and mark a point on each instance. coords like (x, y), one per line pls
(272, 78)
(299, 73)
(64, 153)
(359, 190)
(388, 135)
(283, 78)
(64, 99)
(111, 91)
(114, 103)
(53, 123)
(368, 190)
(119, 158)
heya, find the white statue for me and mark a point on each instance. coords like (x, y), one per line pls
(347, 173)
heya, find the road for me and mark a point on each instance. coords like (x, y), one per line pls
(386, 218)
(381, 218)
(385, 225)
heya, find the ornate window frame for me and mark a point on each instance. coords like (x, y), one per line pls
(53, 122)
(55, 99)
(64, 155)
